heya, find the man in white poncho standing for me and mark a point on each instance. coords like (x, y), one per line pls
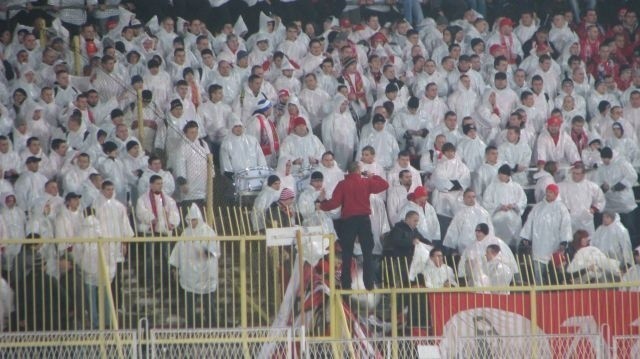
(506, 201)
(451, 177)
(307, 204)
(197, 264)
(583, 199)
(548, 225)
(339, 132)
(460, 233)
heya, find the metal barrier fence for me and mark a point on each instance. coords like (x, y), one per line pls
(259, 286)
(626, 346)
(227, 343)
(70, 345)
(536, 346)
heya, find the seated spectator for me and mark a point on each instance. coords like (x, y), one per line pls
(437, 273)
(633, 274)
(588, 264)
(239, 151)
(473, 258)
(498, 273)
(269, 194)
(281, 214)
(612, 238)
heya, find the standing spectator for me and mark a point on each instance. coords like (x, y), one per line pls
(583, 199)
(157, 215)
(547, 227)
(263, 128)
(191, 167)
(451, 178)
(73, 13)
(460, 232)
(616, 178)
(352, 194)
(197, 264)
(339, 132)
(506, 201)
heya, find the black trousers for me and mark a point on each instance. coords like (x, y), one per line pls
(351, 228)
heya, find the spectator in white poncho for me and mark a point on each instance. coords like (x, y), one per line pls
(633, 273)
(437, 274)
(197, 264)
(473, 258)
(506, 201)
(269, 194)
(589, 264)
(612, 238)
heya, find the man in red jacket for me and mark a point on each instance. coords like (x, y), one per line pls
(352, 194)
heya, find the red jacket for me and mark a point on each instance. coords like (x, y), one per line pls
(352, 194)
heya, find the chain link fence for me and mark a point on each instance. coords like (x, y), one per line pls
(222, 343)
(69, 345)
(626, 347)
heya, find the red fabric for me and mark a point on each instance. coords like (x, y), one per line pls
(195, 94)
(420, 191)
(506, 22)
(507, 44)
(589, 49)
(357, 88)
(553, 188)
(91, 48)
(264, 137)
(602, 69)
(580, 139)
(353, 193)
(554, 121)
(563, 312)
(494, 48)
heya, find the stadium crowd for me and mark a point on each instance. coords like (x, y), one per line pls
(441, 116)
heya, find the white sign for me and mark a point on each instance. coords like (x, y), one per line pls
(277, 237)
(428, 352)
(287, 236)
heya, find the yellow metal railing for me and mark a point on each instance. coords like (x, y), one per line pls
(252, 287)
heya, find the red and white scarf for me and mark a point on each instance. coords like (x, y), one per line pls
(357, 89)
(507, 44)
(154, 208)
(265, 143)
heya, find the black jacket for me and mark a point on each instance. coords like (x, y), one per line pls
(399, 242)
